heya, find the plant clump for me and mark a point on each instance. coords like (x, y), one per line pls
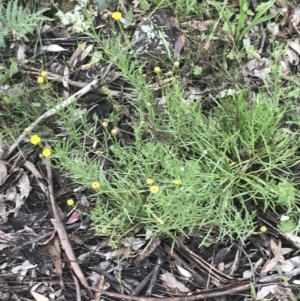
(226, 165)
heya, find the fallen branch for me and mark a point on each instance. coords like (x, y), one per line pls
(62, 233)
(209, 293)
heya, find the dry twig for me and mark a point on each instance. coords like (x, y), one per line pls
(62, 234)
(100, 286)
(207, 293)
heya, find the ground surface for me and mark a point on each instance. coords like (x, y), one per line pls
(174, 162)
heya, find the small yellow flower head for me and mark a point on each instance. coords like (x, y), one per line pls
(149, 104)
(26, 130)
(149, 181)
(104, 124)
(177, 182)
(95, 185)
(114, 131)
(157, 69)
(263, 229)
(46, 152)
(176, 64)
(35, 139)
(44, 74)
(116, 15)
(40, 79)
(114, 243)
(154, 189)
(70, 202)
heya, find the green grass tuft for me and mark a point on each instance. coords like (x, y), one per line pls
(230, 161)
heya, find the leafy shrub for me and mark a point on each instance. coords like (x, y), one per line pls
(16, 21)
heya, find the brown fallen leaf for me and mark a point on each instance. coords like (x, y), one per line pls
(55, 252)
(285, 9)
(255, 54)
(87, 66)
(270, 264)
(173, 284)
(179, 44)
(37, 296)
(294, 45)
(66, 77)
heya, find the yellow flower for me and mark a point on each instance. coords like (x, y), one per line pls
(154, 189)
(114, 131)
(149, 181)
(149, 104)
(26, 130)
(176, 64)
(116, 15)
(114, 243)
(46, 152)
(95, 184)
(35, 139)
(177, 182)
(70, 202)
(157, 69)
(40, 79)
(105, 124)
(44, 74)
(263, 229)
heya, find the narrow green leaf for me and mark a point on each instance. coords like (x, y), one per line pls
(12, 70)
(144, 4)
(103, 4)
(128, 18)
(14, 12)
(8, 11)
(257, 22)
(262, 8)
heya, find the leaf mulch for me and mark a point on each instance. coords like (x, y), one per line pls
(49, 250)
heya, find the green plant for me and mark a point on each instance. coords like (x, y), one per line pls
(185, 7)
(13, 69)
(237, 26)
(180, 168)
(227, 161)
(287, 226)
(16, 21)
